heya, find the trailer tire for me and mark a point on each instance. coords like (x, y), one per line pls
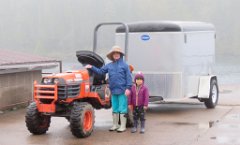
(82, 119)
(36, 122)
(212, 101)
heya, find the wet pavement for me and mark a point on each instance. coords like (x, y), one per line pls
(185, 123)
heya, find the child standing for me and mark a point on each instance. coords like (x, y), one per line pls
(138, 101)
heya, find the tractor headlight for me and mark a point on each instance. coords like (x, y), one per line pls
(56, 81)
(46, 80)
(52, 81)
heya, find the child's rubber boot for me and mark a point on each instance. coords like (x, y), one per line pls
(135, 124)
(142, 130)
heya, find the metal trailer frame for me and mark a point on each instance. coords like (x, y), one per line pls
(179, 63)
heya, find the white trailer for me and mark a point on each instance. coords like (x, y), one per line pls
(175, 57)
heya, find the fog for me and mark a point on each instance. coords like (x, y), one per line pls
(58, 28)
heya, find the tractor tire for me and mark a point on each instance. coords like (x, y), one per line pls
(36, 122)
(82, 119)
(212, 101)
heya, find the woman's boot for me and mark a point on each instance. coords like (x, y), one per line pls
(115, 126)
(123, 120)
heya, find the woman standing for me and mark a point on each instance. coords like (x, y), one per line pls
(120, 82)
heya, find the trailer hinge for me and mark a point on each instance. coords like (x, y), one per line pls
(185, 38)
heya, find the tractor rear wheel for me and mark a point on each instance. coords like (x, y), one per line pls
(36, 122)
(82, 119)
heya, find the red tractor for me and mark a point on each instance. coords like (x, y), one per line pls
(73, 95)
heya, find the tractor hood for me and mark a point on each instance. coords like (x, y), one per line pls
(88, 57)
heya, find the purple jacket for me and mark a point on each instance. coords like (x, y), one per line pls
(142, 98)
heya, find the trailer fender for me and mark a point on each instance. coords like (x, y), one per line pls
(204, 86)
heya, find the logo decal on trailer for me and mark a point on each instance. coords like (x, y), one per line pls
(145, 37)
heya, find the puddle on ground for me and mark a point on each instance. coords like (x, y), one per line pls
(201, 125)
(207, 125)
(176, 123)
(226, 140)
(229, 126)
(233, 116)
(103, 123)
(225, 91)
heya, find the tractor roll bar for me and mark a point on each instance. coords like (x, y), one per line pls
(112, 23)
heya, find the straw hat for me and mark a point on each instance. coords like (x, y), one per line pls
(113, 50)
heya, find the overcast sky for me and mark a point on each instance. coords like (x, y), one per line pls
(58, 28)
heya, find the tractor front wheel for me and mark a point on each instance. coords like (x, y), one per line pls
(82, 119)
(36, 122)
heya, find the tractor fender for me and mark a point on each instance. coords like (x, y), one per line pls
(204, 86)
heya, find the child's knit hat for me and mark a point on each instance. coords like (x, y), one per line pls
(139, 75)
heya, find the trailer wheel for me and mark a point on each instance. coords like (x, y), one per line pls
(212, 101)
(36, 122)
(82, 119)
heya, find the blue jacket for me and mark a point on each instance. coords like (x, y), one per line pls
(120, 77)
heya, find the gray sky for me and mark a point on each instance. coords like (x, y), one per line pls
(58, 28)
